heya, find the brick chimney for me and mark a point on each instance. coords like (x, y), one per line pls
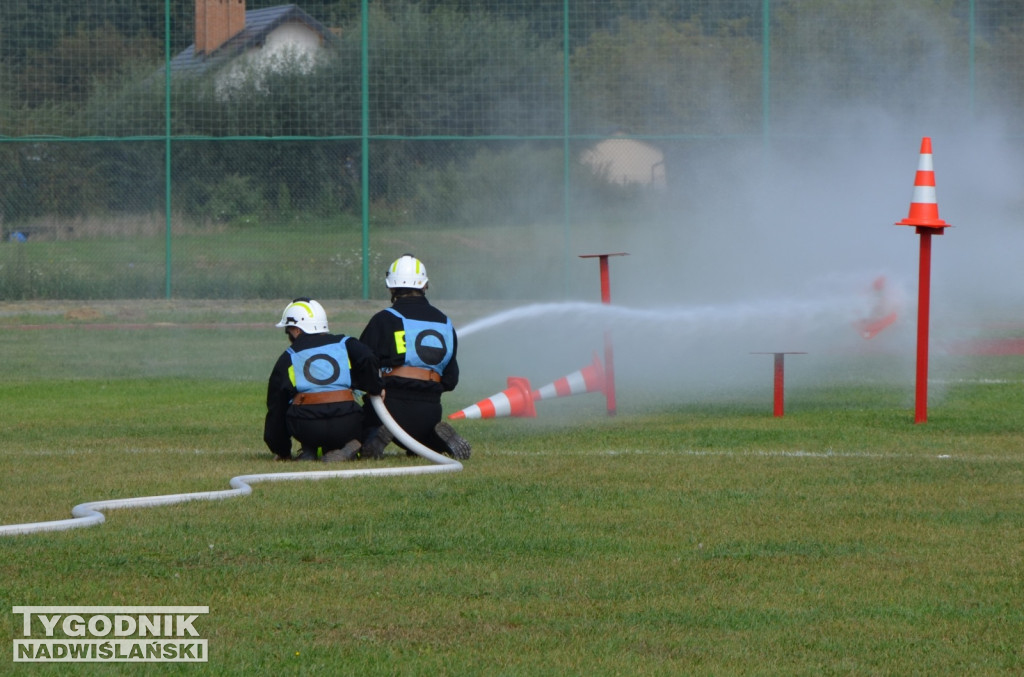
(216, 21)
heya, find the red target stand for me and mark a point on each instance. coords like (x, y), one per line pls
(609, 361)
(779, 381)
(924, 216)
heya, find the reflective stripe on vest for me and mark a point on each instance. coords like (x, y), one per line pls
(321, 369)
(428, 345)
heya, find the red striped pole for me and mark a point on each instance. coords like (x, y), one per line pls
(924, 216)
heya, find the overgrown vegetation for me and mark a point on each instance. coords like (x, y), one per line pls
(443, 76)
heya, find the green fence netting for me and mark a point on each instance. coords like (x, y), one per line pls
(241, 148)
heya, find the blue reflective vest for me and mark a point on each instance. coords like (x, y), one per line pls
(427, 345)
(321, 369)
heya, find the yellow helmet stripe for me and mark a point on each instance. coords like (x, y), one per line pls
(304, 306)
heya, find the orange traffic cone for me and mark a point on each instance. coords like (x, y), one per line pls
(924, 209)
(587, 380)
(513, 401)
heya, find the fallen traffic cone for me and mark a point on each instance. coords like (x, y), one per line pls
(513, 401)
(587, 380)
(924, 209)
(882, 314)
(869, 329)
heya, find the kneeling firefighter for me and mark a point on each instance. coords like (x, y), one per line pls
(417, 348)
(309, 394)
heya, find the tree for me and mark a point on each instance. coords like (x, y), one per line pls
(69, 70)
(657, 77)
(909, 58)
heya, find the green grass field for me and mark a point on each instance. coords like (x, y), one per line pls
(678, 537)
(321, 258)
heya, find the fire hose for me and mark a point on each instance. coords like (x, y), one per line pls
(90, 514)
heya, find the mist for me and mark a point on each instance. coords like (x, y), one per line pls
(783, 248)
(786, 241)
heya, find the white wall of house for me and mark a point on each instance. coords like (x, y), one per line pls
(289, 48)
(291, 36)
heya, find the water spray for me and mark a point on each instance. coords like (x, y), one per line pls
(90, 514)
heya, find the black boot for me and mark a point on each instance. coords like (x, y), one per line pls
(457, 444)
(374, 446)
(349, 452)
(309, 454)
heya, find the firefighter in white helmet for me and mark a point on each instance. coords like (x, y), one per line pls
(309, 394)
(417, 347)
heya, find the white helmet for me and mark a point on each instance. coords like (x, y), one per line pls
(407, 271)
(306, 314)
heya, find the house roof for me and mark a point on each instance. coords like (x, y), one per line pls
(258, 24)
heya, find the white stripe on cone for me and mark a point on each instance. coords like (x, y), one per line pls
(587, 380)
(501, 404)
(502, 407)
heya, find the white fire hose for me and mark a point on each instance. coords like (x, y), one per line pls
(89, 514)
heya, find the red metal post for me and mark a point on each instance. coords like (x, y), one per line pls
(779, 381)
(923, 302)
(609, 374)
(606, 285)
(609, 357)
(780, 377)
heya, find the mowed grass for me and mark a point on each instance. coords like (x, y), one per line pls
(678, 537)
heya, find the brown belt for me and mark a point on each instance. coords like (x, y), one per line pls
(418, 373)
(324, 398)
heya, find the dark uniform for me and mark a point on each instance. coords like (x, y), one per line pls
(412, 394)
(318, 425)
